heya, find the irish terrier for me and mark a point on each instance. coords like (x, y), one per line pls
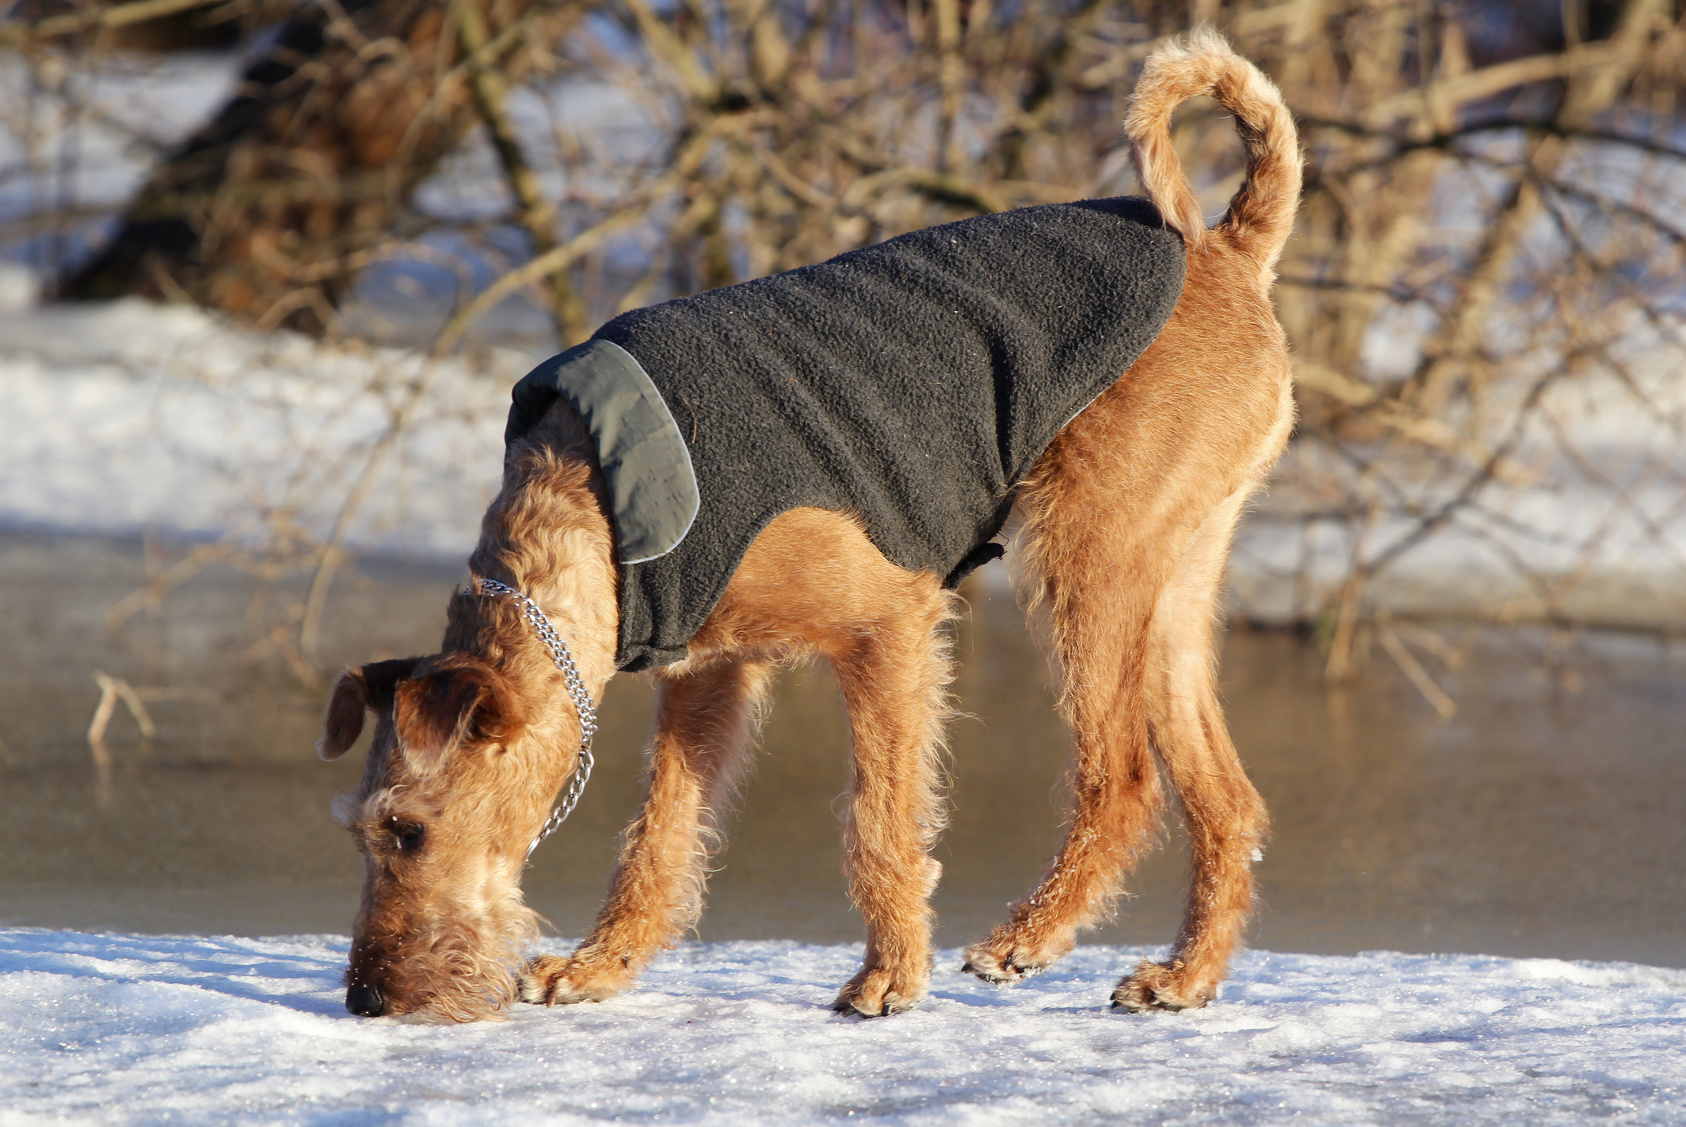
(1124, 510)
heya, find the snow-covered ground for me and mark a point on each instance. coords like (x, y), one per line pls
(132, 1029)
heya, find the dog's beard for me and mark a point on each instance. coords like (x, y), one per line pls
(455, 970)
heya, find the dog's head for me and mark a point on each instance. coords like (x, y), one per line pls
(457, 783)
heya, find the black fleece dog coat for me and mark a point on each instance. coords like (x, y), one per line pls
(911, 384)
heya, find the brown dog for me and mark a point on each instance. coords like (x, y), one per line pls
(1124, 526)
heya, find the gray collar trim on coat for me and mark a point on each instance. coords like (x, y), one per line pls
(646, 464)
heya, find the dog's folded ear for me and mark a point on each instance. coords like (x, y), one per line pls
(434, 714)
(357, 691)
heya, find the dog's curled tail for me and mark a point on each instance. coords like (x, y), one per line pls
(1261, 214)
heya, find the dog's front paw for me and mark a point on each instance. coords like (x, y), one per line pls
(1005, 960)
(880, 991)
(553, 981)
(1162, 986)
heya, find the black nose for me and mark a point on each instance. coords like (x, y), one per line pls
(364, 1001)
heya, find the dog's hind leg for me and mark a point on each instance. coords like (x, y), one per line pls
(1223, 814)
(894, 677)
(1112, 509)
(1101, 599)
(704, 724)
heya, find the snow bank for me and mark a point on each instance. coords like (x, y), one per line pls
(120, 1029)
(129, 415)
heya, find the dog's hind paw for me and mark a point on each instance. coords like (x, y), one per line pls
(1162, 986)
(552, 981)
(881, 992)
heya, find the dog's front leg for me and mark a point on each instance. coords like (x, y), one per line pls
(894, 681)
(703, 726)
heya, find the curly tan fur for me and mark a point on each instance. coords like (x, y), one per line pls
(1125, 524)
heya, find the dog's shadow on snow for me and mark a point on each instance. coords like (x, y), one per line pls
(306, 978)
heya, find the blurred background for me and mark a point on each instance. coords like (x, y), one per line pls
(268, 269)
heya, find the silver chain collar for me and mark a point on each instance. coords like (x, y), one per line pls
(564, 660)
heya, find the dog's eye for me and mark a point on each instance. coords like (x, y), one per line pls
(407, 835)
